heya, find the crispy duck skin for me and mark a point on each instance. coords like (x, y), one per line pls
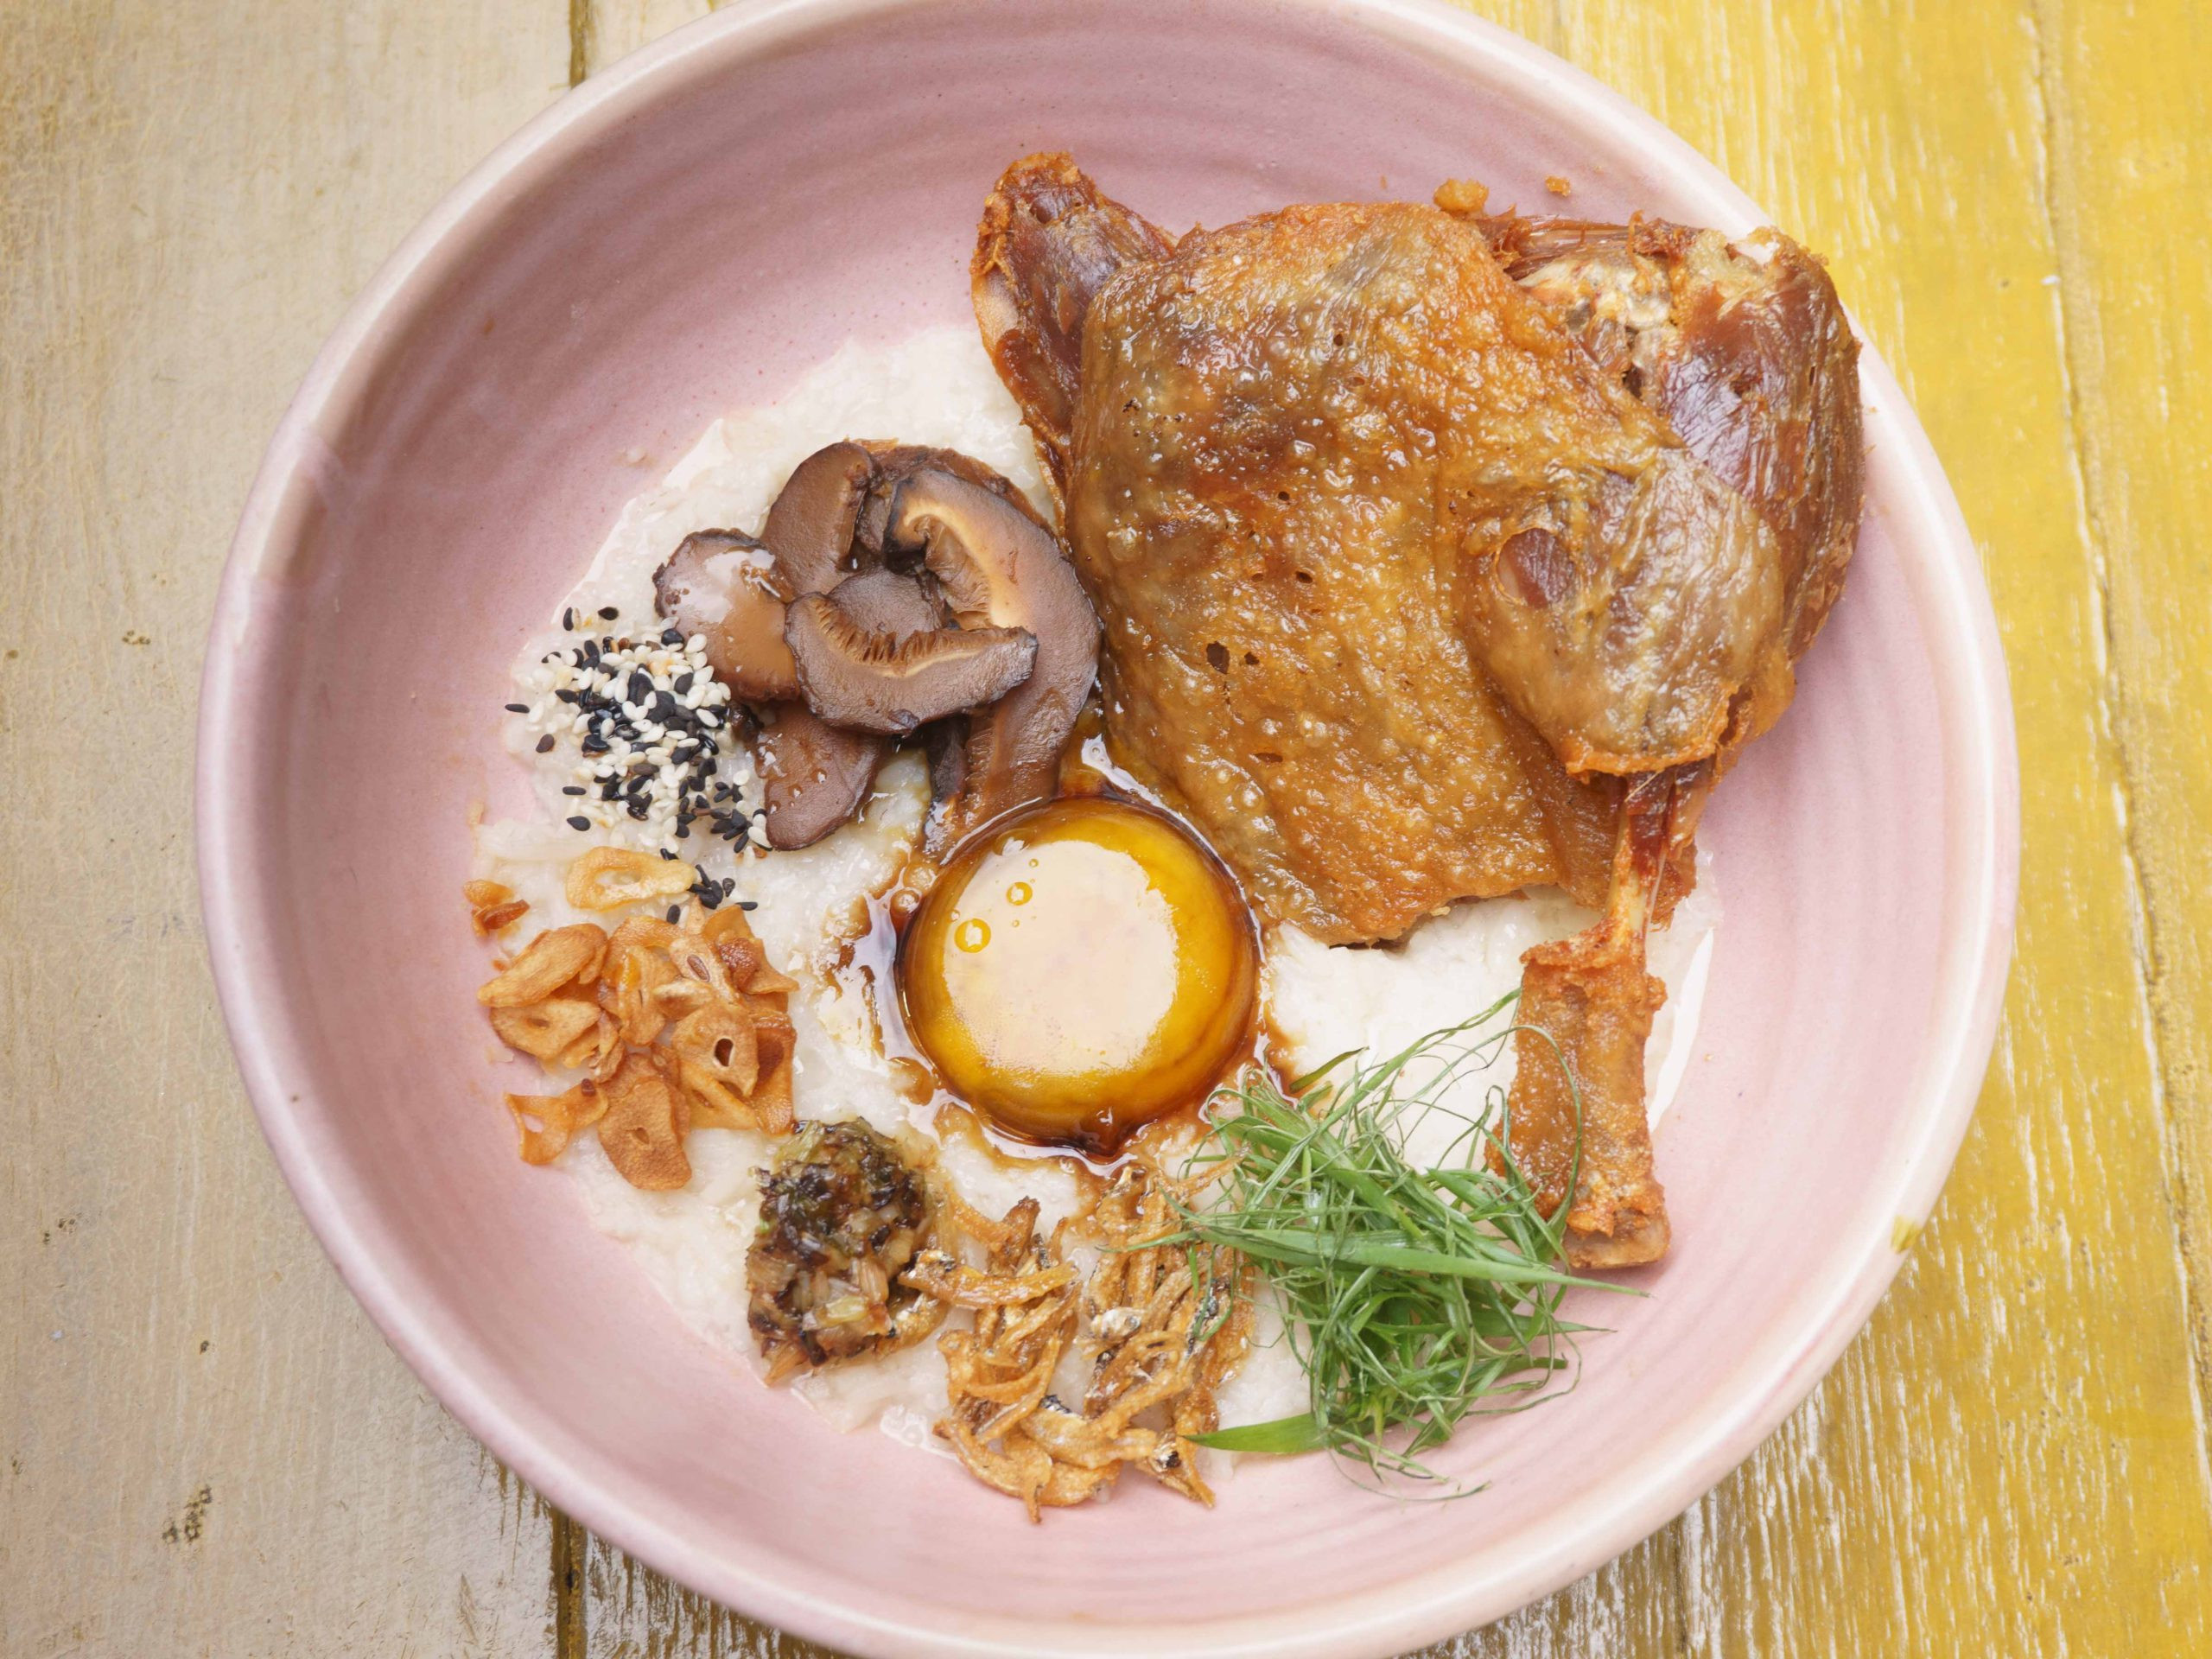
(1411, 573)
(1048, 242)
(1745, 351)
(1311, 706)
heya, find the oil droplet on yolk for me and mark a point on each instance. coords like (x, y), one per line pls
(1113, 981)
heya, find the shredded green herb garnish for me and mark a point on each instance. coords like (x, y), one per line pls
(1414, 1297)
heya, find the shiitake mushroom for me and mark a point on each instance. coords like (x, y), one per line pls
(998, 568)
(836, 653)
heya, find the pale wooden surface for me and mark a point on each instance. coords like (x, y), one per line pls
(205, 1448)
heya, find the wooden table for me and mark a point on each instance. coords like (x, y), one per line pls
(204, 1447)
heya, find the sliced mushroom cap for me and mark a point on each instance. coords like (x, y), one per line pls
(998, 568)
(720, 583)
(813, 777)
(884, 601)
(869, 681)
(948, 751)
(897, 462)
(809, 528)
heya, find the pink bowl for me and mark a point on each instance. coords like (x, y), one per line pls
(688, 233)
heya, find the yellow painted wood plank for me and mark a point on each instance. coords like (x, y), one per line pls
(2007, 1461)
(2011, 1459)
(2128, 119)
(205, 1448)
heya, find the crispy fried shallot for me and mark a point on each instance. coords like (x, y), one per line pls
(1155, 1329)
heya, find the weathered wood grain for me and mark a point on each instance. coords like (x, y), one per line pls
(2010, 1460)
(2128, 137)
(605, 31)
(205, 1448)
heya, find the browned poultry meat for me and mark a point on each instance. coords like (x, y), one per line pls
(1745, 351)
(1419, 584)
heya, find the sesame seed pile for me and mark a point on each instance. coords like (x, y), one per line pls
(648, 723)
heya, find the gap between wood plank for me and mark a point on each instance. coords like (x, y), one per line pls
(568, 1545)
(2153, 996)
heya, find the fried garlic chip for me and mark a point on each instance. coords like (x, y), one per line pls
(717, 1052)
(771, 1098)
(558, 1118)
(607, 877)
(493, 907)
(681, 1024)
(643, 1130)
(547, 962)
(629, 983)
(546, 1030)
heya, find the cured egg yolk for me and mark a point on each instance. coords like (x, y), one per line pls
(1079, 971)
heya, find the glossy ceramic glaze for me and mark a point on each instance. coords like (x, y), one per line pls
(687, 233)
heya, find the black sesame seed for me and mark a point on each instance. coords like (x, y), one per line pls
(595, 744)
(684, 832)
(580, 823)
(684, 682)
(636, 810)
(545, 744)
(712, 898)
(610, 611)
(667, 855)
(748, 904)
(573, 789)
(518, 708)
(672, 636)
(567, 694)
(676, 912)
(569, 619)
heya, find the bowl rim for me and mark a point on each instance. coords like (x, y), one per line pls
(1406, 1613)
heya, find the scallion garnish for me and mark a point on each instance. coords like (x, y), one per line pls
(1413, 1295)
